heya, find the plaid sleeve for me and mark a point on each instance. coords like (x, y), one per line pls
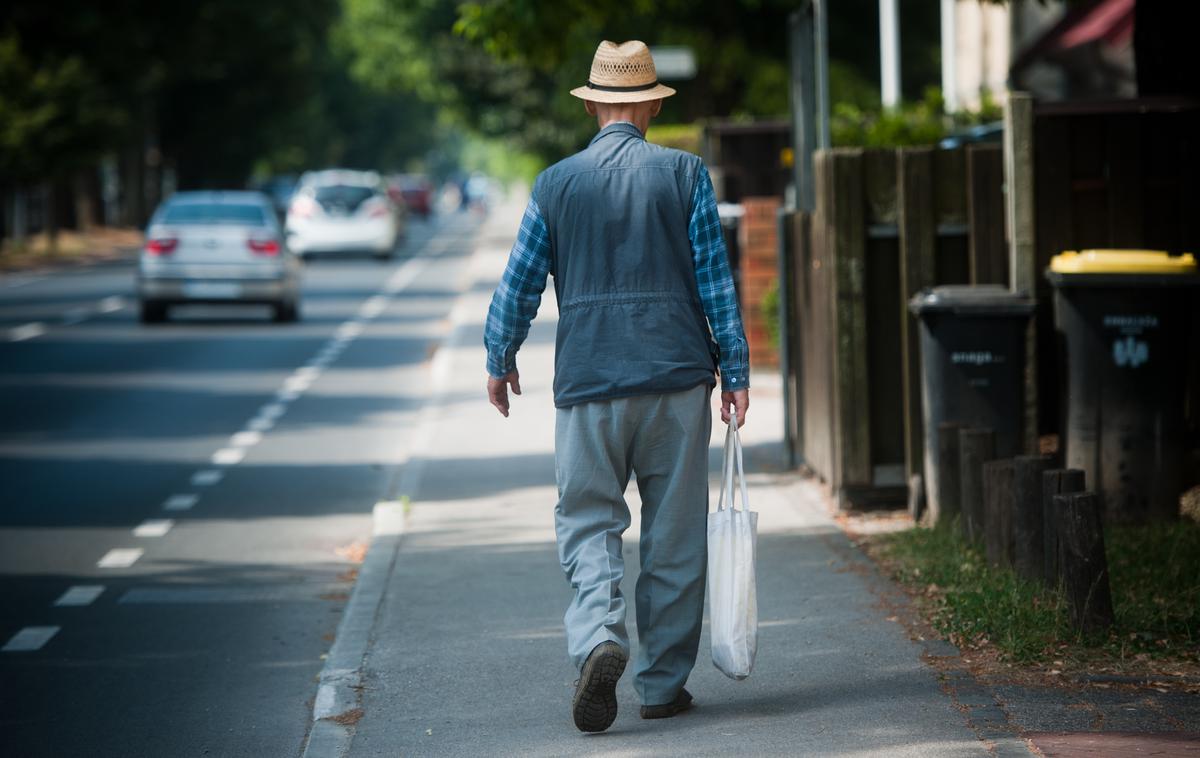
(717, 293)
(519, 294)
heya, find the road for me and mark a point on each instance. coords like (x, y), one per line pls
(182, 505)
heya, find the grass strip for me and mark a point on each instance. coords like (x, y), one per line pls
(1154, 577)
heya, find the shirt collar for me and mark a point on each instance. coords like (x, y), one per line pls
(626, 127)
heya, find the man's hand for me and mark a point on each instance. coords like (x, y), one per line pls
(498, 391)
(740, 400)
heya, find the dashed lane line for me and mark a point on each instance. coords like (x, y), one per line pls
(246, 439)
(228, 456)
(29, 639)
(207, 477)
(26, 331)
(120, 557)
(80, 595)
(156, 527)
(184, 502)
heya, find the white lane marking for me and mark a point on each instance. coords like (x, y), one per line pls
(272, 411)
(228, 456)
(21, 281)
(74, 316)
(260, 424)
(79, 595)
(308, 372)
(155, 527)
(207, 477)
(27, 331)
(373, 307)
(110, 304)
(183, 502)
(245, 439)
(120, 557)
(286, 396)
(30, 638)
(297, 384)
(349, 330)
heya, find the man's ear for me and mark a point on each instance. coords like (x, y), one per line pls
(656, 109)
(590, 107)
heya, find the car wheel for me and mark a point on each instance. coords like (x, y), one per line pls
(152, 312)
(287, 312)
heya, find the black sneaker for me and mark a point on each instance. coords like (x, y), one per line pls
(594, 706)
(681, 703)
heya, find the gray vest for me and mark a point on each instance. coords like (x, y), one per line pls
(630, 318)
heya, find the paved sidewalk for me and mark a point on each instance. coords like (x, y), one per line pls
(467, 655)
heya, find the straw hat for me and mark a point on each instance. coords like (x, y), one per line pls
(622, 73)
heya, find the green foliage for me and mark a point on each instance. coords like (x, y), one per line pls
(769, 307)
(686, 137)
(921, 123)
(1154, 576)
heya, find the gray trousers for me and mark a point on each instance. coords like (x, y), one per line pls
(598, 445)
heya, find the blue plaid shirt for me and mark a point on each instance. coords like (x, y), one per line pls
(519, 294)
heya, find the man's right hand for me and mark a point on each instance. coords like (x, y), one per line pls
(740, 402)
(498, 391)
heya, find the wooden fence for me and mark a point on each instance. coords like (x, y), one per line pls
(887, 223)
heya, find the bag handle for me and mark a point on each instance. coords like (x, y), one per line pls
(733, 452)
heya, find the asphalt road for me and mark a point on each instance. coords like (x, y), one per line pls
(181, 504)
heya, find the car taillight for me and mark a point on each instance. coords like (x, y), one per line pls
(263, 247)
(376, 207)
(161, 245)
(303, 207)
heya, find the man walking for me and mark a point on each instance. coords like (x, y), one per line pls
(647, 313)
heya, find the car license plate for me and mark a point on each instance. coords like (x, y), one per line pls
(218, 290)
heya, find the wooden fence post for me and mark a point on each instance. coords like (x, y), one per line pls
(998, 511)
(974, 447)
(1055, 482)
(946, 505)
(1028, 540)
(918, 241)
(1022, 252)
(1084, 564)
(852, 429)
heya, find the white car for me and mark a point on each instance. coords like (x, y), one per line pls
(217, 247)
(338, 211)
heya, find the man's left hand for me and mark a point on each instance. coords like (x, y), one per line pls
(498, 391)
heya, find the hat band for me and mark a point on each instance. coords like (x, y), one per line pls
(635, 88)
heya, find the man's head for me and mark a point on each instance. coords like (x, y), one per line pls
(623, 85)
(636, 113)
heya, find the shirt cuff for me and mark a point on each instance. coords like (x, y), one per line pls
(500, 365)
(735, 380)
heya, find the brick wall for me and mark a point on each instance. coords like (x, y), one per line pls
(759, 246)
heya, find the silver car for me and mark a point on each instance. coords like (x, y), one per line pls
(217, 247)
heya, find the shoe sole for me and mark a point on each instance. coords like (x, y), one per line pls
(594, 707)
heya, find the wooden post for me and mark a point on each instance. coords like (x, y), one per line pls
(985, 214)
(974, 447)
(1084, 564)
(852, 430)
(1022, 252)
(918, 238)
(998, 511)
(1055, 482)
(945, 506)
(1027, 520)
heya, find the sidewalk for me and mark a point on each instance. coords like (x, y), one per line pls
(467, 654)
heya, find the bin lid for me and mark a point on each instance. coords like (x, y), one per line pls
(1122, 262)
(972, 300)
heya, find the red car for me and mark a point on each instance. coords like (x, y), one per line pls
(415, 191)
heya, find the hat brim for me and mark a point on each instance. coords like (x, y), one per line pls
(604, 96)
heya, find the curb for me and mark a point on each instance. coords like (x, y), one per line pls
(337, 707)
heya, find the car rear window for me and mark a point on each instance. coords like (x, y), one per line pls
(343, 196)
(214, 213)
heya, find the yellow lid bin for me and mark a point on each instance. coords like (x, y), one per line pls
(1122, 262)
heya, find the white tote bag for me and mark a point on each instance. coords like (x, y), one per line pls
(732, 542)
